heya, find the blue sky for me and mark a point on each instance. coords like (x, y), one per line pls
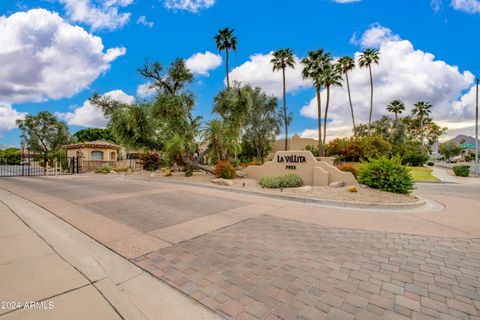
(407, 33)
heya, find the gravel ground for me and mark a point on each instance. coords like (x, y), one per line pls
(364, 194)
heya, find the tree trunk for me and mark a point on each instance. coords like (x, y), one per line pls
(351, 105)
(325, 121)
(226, 68)
(285, 110)
(195, 165)
(319, 106)
(371, 98)
(421, 133)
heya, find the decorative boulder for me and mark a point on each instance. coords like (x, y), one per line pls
(222, 182)
(337, 184)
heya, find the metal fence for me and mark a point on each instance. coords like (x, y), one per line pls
(27, 164)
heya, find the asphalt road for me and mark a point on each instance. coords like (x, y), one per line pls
(471, 191)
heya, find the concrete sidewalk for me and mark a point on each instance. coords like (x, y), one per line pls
(444, 175)
(50, 270)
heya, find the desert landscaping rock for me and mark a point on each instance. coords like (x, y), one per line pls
(338, 184)
(222, 182)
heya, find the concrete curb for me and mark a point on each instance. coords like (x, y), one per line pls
(328, 203)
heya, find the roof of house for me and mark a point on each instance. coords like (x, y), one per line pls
(93, 144)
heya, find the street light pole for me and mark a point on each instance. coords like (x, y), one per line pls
(476, 131)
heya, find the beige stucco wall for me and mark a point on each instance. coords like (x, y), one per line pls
(313, 172)
(87, 151)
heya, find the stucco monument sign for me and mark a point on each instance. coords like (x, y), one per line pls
(303, 163)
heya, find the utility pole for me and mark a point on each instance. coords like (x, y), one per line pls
(476, 131)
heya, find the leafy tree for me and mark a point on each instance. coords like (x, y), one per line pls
(449, 149)
(332, 76)
(43, 134)
(283, 59)
(396, 107)
(234, 105)
(167, 122)
(263, 124)
(347, 64)
(422, 110)
(313, 66)
(10, 156)
(225, 40)
(94, 134)
(367, 58)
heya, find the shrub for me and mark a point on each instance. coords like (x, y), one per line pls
(430, 163)
(313, 150)
(352, 189)
(106, 168)
(225, 170)
(348, 167)
(386, 175)
(415, 158)
(461, 171)
(290, 180)
(188, 171)
(468, 158)
(358, 148)
(151, 161)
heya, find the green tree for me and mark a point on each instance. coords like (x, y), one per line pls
(225, 40)
(263, 124)
(347, 64)
(94, 134)
(367, 58)
(283, 59)
(43, 134)
(313, 66)
(332, 76)
(234, 105)
(449, 149)
(396, 107)
(422, 110)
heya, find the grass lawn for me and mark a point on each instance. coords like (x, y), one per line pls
(422, 174)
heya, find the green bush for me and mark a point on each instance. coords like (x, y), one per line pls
(430, 163)
(106, 168)
(468, 158)
(290, 180)
(461, 171)
(225, 170)
(386, 175)
(415, 158)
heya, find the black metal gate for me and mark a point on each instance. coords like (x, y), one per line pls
(30, 164)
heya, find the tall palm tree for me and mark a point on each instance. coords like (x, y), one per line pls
(283, 59)
(225, 40)
(367, 58)
(332, 76)
(313, 66)
(422, 110)
(396, 107)
(347, 64)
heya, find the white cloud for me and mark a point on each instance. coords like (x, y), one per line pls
(436, 5)
(258, 72)
(403, 73)
(145, 90)
(90, 115)
(374, 36)
(189, 5)
(44, 57)
(202, 63)
(8, 118)
(469, 6)
(99, 14)
(143, 21)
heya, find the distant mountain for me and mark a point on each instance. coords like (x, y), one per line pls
(459, 139)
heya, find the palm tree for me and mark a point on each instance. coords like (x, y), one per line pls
(332, 76)
(313, 66)
(282, 59)
(212, 135)
(367, 58)
(422, 110)
(396, 107)
(347, 64)
(225, 40)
